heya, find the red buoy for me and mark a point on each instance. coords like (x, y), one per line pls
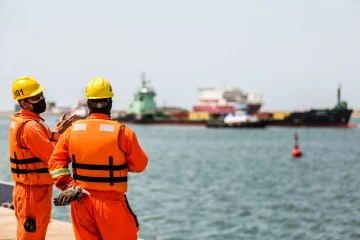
(296, 152)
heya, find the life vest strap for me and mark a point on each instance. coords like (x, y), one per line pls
(111, 168)
(111, 165)
(74, 167)
(26, 171)
(25, 161)
(18, 162)
(100, 179)
(99, 167)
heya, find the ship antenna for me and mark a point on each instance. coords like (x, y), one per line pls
(143, 79)
(339, 94)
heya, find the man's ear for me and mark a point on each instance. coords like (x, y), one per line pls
(25, 105)
(22, 103)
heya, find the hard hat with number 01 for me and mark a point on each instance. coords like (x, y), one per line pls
(25, 87)
(98, 88)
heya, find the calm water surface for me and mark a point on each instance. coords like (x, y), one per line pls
(240, 184)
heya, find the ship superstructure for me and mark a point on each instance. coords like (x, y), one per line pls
(225, 100)
(144, 99)
(143, 105)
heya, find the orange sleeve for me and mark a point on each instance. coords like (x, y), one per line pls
(35, 138)
(55, 138)
(136, 157)
(59, 161)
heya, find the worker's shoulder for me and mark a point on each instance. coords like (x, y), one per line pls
(126, 129)
(30, 124)
(32, 127)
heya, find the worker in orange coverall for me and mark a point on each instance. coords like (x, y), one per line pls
(102, 152)
(31, 144)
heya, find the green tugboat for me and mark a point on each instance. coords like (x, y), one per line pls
(143, 109)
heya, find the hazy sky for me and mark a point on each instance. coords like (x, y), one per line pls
(295, 53)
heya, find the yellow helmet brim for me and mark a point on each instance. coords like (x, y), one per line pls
(37, 91)
(100, 97)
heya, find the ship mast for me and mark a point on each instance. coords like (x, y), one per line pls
(143, 80)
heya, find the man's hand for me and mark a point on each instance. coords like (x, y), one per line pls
(64, 123)
(69, 195)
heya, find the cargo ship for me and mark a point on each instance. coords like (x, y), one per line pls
(212, 103)
(339, 116)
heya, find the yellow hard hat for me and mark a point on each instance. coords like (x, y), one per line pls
(25, 87)
(98, 88)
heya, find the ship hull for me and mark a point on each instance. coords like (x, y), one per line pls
(221, 124)
(166, 122)
(316, 118)
(253, 108)
(150, 120)
(313, 118)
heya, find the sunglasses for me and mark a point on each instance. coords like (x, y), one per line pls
(35, 98)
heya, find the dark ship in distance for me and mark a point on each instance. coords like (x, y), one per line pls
(339, 116)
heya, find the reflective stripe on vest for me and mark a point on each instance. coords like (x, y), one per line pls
(98, 163)
(60, 172)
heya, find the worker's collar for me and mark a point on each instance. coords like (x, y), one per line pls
(99, 115)
(27, 113)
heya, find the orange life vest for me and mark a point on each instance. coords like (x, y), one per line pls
(98, 162)
(26, 168)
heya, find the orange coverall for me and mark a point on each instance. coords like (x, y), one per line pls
(34, 200)
(104, 214)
